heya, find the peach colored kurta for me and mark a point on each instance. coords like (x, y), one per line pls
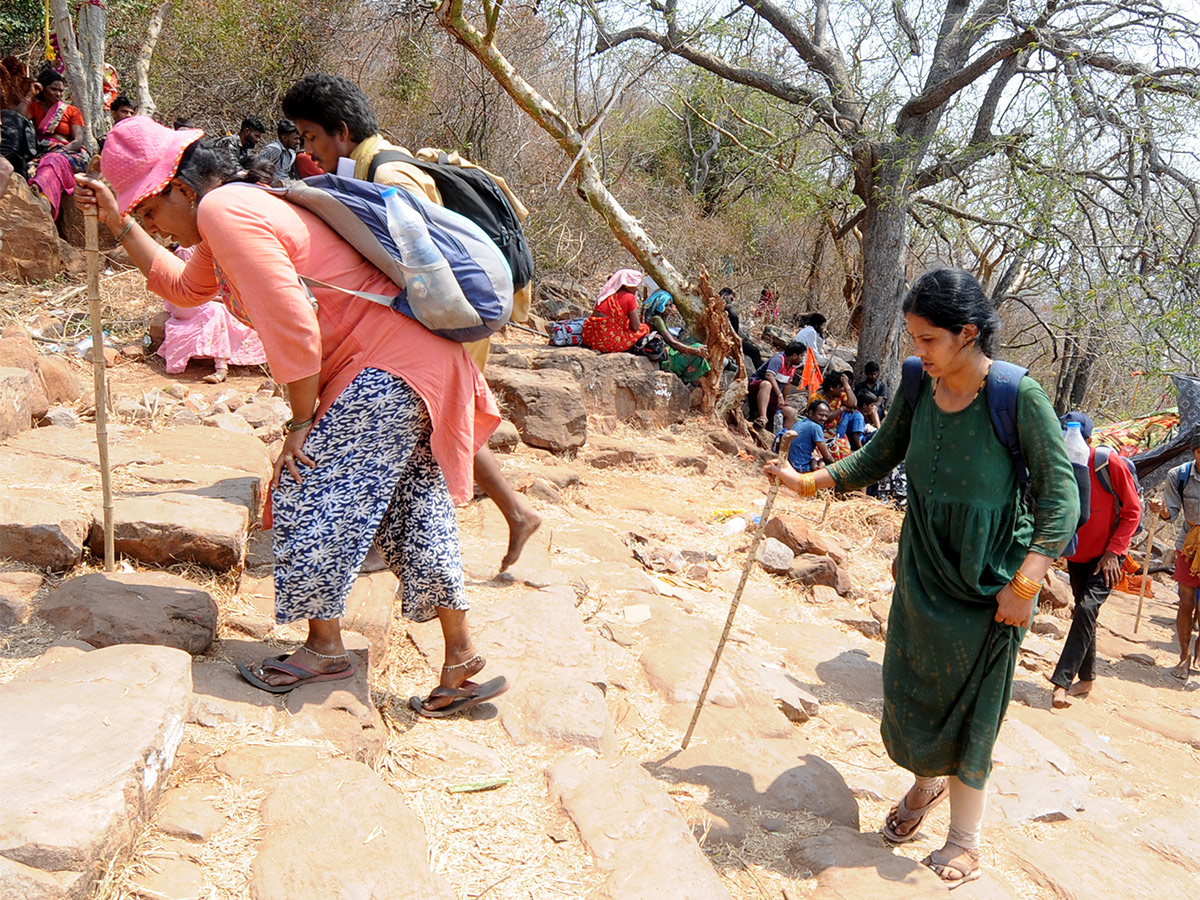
(260, 243)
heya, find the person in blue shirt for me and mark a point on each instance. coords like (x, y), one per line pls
(810, 437)
(854, 421)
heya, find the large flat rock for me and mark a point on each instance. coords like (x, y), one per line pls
(337, 712)
(633, 829)
(176, 527)
(852, 865)
(632, 388)
(41, 529)
(546, 407)
(18, 392)
(375, 851)
(85, 749)
(536, 639)
(777, 775)
(109, 608)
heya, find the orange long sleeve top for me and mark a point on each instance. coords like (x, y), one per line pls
(261, 244)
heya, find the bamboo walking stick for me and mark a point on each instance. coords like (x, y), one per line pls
(92, 243)
(784, 444)
(1146, 571)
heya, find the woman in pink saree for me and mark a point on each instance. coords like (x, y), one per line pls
(59, 127)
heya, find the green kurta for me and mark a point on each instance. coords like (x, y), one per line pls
(948, 665)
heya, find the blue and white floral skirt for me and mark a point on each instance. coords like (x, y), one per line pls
(375, 480)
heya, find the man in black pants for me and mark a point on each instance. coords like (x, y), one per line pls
(1095, 567)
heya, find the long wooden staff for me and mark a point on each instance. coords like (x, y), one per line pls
(92, 244)
(1146, 570)
(784, 443)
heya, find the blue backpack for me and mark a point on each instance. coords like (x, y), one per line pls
(356, 211)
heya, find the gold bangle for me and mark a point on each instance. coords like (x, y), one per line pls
(806, 486)
(1020, 578)
(1023, 587)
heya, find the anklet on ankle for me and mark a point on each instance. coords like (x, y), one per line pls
(342, 655)
(463, 665)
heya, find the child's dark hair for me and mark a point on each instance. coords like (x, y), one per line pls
(330, 100)
(865, 398)
(204, 166)
(952, 299)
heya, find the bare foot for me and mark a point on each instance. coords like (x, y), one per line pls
(1081, 689)
(1182, 670)
(306, 659)
(519, 532)
(1060, 700)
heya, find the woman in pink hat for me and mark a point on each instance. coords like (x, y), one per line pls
(386, 416)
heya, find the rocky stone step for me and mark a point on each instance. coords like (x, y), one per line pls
(134, 608)
(630, 388)
(41, 529)
(338, 712)
(537, 640)
(631, 826)
(87, 743)
(375, 849)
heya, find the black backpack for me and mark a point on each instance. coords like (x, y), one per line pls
(470, 192)
(18, 140)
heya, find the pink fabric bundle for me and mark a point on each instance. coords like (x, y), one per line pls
(54, 177)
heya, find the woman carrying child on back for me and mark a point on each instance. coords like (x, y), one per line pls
(386, 416)
(971, 559)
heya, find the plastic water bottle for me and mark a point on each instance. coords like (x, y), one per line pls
(1079, 454)
(778, 421)
(434, 295)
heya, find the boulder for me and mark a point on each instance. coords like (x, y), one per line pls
(176, 527)
(85, 751)
(188, 812)
(505, 438)
(779, 775)
(19, 352)
(1056, 592)
(42, 529)
(19, 394)
(633, 829)
(723, 442)
(774, 556)
(17, 589)
(546, 407)
(30, 251)
(820, 570)
(800, 537)
(134, 608)
(228, 421)
(631, 388)
(270, 412)
(1049, 626)
(378, 852)
(61, 383)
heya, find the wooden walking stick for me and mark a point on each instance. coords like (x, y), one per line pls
(92, 245)
(784, 444)
(1146, 571)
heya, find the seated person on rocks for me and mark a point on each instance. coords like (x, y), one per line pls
(812, 335)
(835, 390)
(240, 147)
(874, 384)
(688, 361)
(207, 331)
(615, 325)
(122, 108)
(770, 384)
(280, 154)
(810, 439)
(386, 416)
(59, 128)
(852, 426)
(749, 348)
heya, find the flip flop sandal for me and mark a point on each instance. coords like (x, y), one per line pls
(904, 815)
(952, 875)
(470, 694)
(304, 676)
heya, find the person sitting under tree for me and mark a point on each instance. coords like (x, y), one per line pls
(770, 385)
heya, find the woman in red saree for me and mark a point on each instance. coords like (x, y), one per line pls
(615, 325)
(59, 126)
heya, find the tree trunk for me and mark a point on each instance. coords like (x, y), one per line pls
(90, 36)
(883, 248)
(145, 102)
(64, 28)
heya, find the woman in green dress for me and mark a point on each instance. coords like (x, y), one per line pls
(972, 555)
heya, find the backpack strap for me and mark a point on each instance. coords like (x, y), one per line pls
(1185, 472)
(388, 156)
(1100, 466)
(912, 375)
(1002, 386)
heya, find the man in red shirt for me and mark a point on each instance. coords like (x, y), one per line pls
(1095, 567)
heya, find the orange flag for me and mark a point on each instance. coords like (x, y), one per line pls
(811, 379)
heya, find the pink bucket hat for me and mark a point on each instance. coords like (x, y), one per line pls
(140, 157)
